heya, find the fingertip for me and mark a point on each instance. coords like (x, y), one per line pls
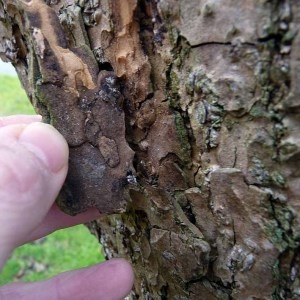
(120, 277)
(45, 142)
(125, 272)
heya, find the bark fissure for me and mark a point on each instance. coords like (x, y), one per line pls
(223, 44)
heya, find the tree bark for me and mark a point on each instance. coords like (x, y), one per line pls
(184, 117)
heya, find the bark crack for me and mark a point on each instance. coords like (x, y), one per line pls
(222, 44)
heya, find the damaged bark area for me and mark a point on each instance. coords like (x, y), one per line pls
(63, 80)
(183, 115)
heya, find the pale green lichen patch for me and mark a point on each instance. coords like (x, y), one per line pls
(263, 176)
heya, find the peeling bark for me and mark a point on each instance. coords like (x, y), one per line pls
(185, 116)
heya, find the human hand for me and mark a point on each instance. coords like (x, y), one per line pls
(33, 167)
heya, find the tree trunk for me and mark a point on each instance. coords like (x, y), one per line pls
(184, 117)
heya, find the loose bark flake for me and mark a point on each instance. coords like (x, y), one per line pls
(85, 105)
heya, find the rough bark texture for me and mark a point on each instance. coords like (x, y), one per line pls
(185, 115)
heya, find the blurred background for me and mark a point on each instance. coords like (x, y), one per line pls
(61, 251)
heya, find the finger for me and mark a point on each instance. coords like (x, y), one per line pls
(19, 119)
(56, 219)
(33, 166)
(111, 280)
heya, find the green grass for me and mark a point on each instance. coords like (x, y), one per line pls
(63, 250)
(13, 99)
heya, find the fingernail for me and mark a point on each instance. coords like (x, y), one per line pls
(47, 144)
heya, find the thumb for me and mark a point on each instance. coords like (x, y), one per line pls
(33, 166)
